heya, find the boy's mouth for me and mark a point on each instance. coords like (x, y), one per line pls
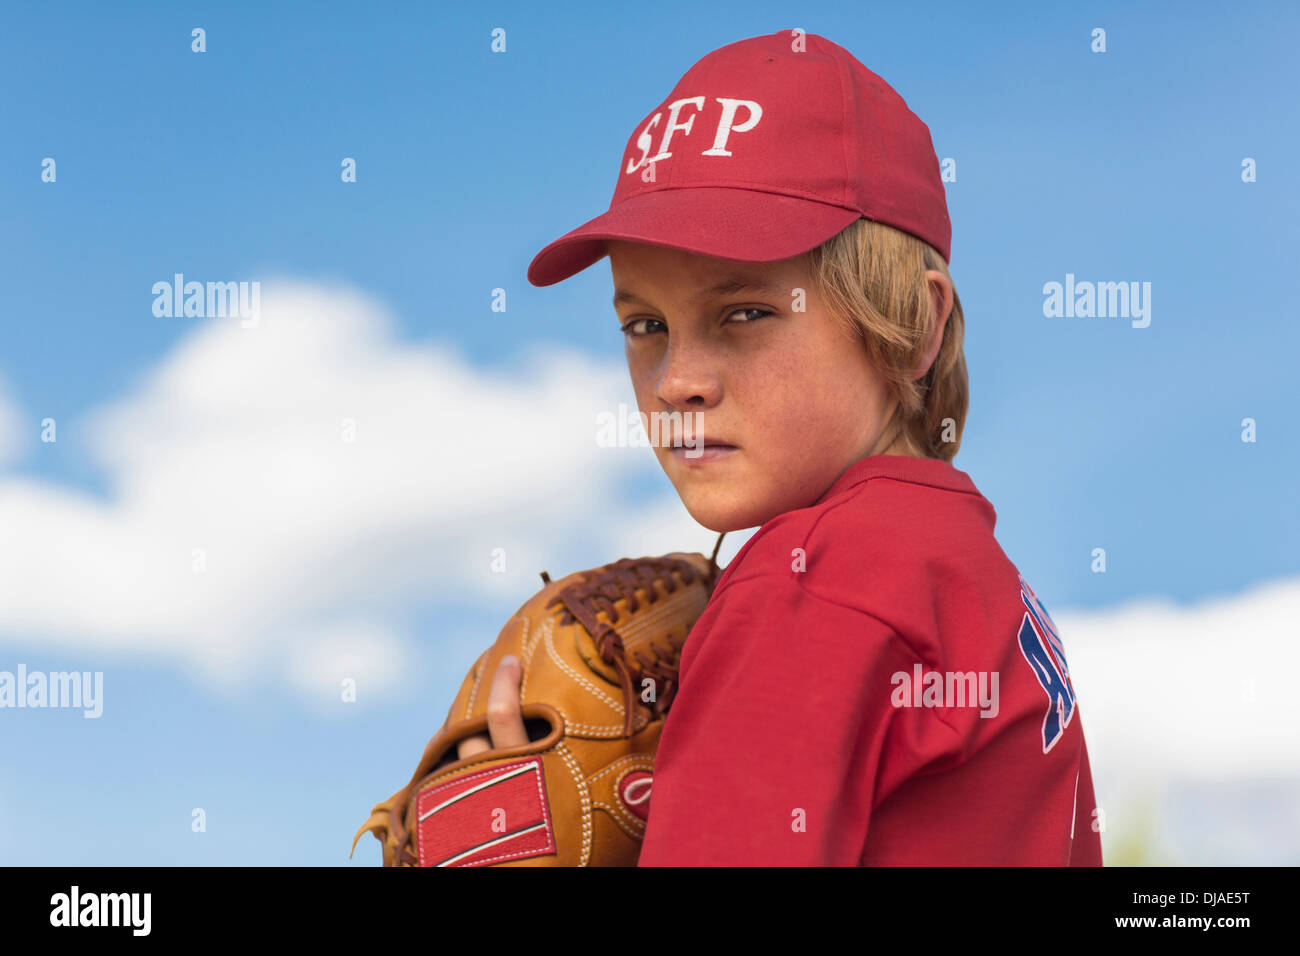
(697, 452)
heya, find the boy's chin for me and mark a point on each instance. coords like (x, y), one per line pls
(720, 516)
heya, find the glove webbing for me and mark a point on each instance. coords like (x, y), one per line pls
(585, 600)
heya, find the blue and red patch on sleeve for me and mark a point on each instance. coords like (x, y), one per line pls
(1041, 644)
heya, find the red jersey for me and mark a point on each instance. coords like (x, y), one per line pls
(874, 683)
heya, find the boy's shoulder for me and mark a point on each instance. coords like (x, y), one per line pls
(887, 520)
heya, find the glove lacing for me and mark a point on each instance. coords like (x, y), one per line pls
(584, 600)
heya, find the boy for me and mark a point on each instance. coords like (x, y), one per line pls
(873, 682)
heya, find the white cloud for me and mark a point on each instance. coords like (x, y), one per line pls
(232, 456)
(1192, 722)
(361, 652)
(1199, 692)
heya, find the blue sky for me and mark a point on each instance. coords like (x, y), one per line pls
(1083, 433)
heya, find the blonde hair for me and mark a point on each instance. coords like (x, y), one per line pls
(872, 279)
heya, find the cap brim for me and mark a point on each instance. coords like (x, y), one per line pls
(722, 222)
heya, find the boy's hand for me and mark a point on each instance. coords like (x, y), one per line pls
(505, 721)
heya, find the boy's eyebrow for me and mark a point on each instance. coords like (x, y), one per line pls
(732, 285)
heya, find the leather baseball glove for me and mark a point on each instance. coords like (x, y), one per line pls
(599, 651)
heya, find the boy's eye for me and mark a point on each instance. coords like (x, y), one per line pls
(635, 328)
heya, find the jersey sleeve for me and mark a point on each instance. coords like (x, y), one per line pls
(782, 736)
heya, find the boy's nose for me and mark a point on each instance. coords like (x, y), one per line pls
(688, 386)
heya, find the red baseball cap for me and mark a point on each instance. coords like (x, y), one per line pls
(765, 149)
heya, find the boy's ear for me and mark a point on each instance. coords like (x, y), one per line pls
(941, 308)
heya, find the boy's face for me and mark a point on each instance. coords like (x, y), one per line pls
(786, 400)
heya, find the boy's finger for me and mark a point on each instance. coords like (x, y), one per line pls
(471, 746)
(505, 722)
